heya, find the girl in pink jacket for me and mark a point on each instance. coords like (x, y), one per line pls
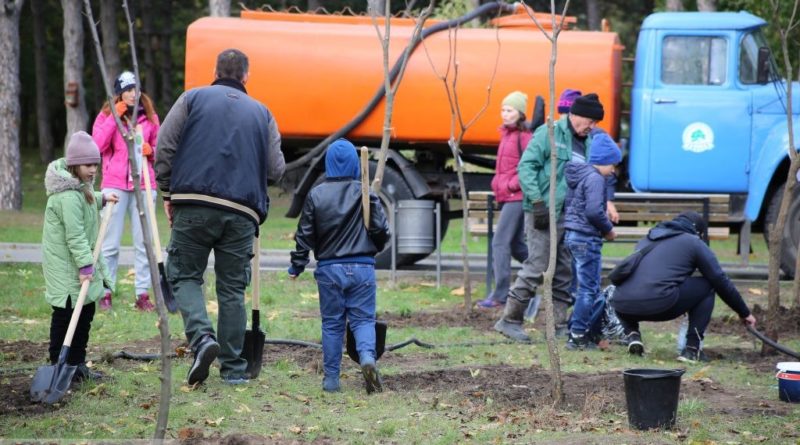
(509, 238)
(117, 179)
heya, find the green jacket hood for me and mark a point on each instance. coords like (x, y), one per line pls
(58, 179)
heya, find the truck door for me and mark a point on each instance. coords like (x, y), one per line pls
(700, 126)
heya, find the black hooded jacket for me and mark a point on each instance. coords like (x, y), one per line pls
(653, 286)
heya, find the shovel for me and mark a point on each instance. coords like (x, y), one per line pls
(253, 348)
(365, 185)
(380, 341)
(166, 290)
(51, 382)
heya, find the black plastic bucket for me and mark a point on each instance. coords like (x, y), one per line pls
(652, 397)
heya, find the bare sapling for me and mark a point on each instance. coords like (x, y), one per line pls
(776, 232)
(557, 390)
(128, 132)
(458, 128)
(390, 85)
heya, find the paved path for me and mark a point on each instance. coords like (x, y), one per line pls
(277, 260)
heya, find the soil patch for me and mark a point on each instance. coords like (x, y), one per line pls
(477, 319)
(528, 389)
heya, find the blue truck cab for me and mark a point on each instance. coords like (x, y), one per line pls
(708, 116)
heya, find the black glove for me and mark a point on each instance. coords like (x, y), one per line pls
(541, 216)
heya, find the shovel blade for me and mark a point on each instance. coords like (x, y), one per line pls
(253, 351)
(380, 341)
(166, 290)
(50, 383)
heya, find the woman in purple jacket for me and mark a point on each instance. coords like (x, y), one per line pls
(509, 239)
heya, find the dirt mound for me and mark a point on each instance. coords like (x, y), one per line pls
(478, 319)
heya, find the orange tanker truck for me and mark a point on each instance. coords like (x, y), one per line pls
(706, 102)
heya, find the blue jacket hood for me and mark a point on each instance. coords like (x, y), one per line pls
(575, 172)
(341, 160)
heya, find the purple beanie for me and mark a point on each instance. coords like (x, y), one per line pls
(566, 99)
(82, 149)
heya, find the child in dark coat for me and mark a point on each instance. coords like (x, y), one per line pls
(332, 225)
(586, 222)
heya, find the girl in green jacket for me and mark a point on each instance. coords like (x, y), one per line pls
(69, 233)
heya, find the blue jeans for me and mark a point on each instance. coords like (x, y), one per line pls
(346, 293)
(586, 252)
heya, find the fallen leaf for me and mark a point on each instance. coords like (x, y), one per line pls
(458, 292)
(296, 429)
(474, 373)
(215, 422)
(755, 291)
(190, 433)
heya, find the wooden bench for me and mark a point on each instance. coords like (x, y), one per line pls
(645, 208)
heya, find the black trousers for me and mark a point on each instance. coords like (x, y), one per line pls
(695, 297)
(59, 323)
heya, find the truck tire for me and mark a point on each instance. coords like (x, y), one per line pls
(791, 231)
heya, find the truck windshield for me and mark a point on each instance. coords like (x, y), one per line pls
(694, 60)
(748, 57)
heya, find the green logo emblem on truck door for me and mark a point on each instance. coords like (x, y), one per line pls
(698, 137)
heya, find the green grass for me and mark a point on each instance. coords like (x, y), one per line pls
(286, 402)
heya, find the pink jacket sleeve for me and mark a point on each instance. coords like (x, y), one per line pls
(103, 131)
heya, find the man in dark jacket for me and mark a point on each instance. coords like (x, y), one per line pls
(332, 225)
(216, 151)
(662, 286)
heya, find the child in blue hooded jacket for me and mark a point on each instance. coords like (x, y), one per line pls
(586, 222)
(332, 225)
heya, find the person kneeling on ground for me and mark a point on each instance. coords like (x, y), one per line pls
(662, 287)
(332, 225)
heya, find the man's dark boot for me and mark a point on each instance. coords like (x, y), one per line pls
(510, 324)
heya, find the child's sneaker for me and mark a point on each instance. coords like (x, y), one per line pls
(143, 303)
(371, 376)
(105, 301)
(330, 383)
(489, 303)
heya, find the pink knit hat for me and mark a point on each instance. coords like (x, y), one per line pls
(82, 149)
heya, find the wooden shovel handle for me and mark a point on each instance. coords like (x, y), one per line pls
(151, 211)
(256, 275)
(98, 245)
(365, 185)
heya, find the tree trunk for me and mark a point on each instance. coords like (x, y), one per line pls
(376, 5)
(108, 27)
(707, 5)
(219, 8)
(44, 129)
(674, 5)
(10, 187)
(77, 118)
(150, 46)
(593, 15)
(166, 55)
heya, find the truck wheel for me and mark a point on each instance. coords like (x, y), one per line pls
(791, 231)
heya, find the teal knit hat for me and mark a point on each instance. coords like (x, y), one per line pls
(517, 100)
